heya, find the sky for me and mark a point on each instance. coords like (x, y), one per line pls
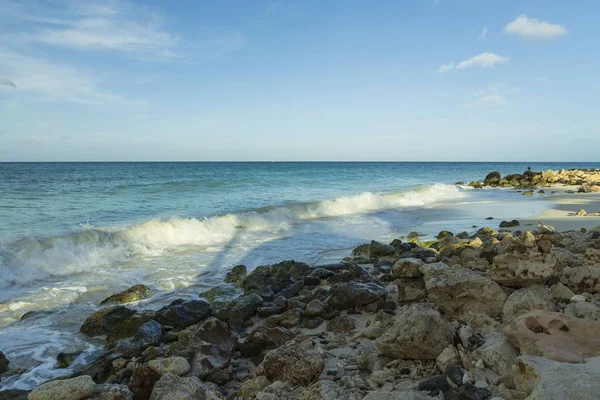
(301, 80)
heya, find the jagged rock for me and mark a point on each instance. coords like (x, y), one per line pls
(271, 279)
(104, 321)
(419, 333)
(172, 387)
(142, 381)
(582, 279)
(173, 365)
(212, 330)
(264, 338)
(150, 332)
(67, 389)
(288, 319)
(209, 359)
(542, 379)
(236, 275)
(293, 363)
(355, 294)
(109, 391)
(241, 309)
(519, 270)
(447, 357)
(341, 325)
(411, 289)
(555, 336)
(521, 301)
(561, 292)
(134, 293)
(181, 314)
(407, 268)
(276, 306)
(251, 387)
(499, 356)
(458, 291)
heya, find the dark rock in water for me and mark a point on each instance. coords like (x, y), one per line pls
(104, 321)
(181, 314)
(142, 381)
(127, 328)
(528, 193)
(288, 319)
(34, 314)
(270, 280)
(14, 394)
(134, 293)
(341, 325)
(509, 224)
(150, 332)
(236, 275)
(413, 235)
(435, 385)
(489, 218)
(378, 249)
(492, 178)
(241, 309)
(276, 306)
(264, 338)
(455, 373)
(355, 294)
(444, 234)
(64, 360)
(3, 363)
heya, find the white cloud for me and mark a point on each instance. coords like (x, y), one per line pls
(7, 82)
(53, 81)
(483, 33)
(531, 28)
(478, 61)
(495, 94)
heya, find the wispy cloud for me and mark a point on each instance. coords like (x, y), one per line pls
(531, 28)
(539, 79)
(483, 33)
(483, 60)
(495, 94)
(7, 82)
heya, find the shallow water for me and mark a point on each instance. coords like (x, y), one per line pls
(71, 234)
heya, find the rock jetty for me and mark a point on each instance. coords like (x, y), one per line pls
(588, 180)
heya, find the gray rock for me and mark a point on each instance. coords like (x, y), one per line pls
(521, 301)
(172, 387)
(294, 363)
(498, 355)
(355, 294)
(181, 314)
(241, 309)
(264, 338)
(172, 365)
(236, 275)
(134, 293)
(68, 389)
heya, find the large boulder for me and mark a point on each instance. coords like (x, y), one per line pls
(523, 269)
(264, 338)
(172, 387)
(134, 293)
(493, 178)
(181, 314)
(407, 268)
(102, 322)
(521, 301)
(555, 336)
(499, 356)
(419, 333)
(355, 294)
(544, 379)
(240, 310)
(299, 364)
(271, 279)
(171, 365)
(459, 291)
(582, 279)
(77, 388)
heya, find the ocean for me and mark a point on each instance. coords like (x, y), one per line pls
(71, 234)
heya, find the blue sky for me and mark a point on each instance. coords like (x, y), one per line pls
(409, 80)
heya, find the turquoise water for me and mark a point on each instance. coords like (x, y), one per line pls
(73, 233)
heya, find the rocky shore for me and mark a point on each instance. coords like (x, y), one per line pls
(494, 315)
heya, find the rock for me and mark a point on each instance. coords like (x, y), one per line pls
(407, 268)
(102, 322)
(555, 336)
(581, 213)
(545, 228)
(583, 309)
(344, 325)
(251, 387)
(455, 373)
(127, 328)
(493, 178)
(68, 389)
(589, 188)
(212, 330)
(519, 270)
(355, 294)
(314, 309)
(322, 390)
(395, 395)
(134, 293)
(271, 279)
(561, 292)
(447, 357)
(3, 363)
(241, 309)
(288, 319)
(521, 301)
(150, 332)
(236, 275)
(434, 385)
(582, 279)
(528, 193)
(64, 360)
(13, 394)
(419, 333)
(459, 291)
(109, 391)
(172, 387)
(411, 289)
(277, 306)
(444, 235)
(173, 365)
(542, 379)
(378, 249)
(142, 381)
(264, 338)
(292, 363)
(498, 355)
(181, 314)
(509, 224)
(413, 235)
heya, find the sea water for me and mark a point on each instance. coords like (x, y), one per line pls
(71, 234)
